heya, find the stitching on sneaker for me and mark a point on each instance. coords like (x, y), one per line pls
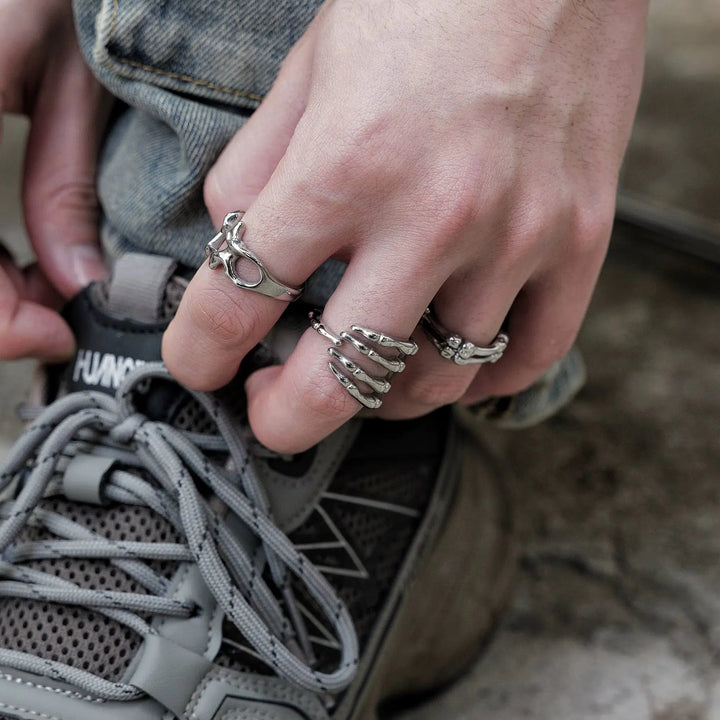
(47, 688)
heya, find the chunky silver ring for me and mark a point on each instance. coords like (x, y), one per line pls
(340, 364)
(462, 352)
(227, 247)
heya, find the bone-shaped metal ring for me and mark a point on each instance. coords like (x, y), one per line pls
(226, 248)
(462, 352)
(379, 385)
(340, 363)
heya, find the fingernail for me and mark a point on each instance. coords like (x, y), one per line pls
(86, 264)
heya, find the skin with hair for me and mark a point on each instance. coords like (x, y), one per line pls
(461, 153)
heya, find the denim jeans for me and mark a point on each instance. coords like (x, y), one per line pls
(188, 74)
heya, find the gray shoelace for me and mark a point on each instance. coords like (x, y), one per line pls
(171, 467)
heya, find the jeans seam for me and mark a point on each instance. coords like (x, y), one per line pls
(168, 73)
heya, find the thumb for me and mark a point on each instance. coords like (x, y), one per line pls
(61, 208)
(250, 158)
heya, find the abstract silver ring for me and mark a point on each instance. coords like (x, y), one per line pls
(462, 352)
(227, 247)
(361, 339)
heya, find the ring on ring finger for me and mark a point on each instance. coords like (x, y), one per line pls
(453, 347)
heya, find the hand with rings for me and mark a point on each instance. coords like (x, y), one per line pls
(458, 158)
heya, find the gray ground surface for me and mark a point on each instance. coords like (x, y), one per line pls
(616, 610)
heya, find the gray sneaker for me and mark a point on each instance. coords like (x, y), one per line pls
(158, 563)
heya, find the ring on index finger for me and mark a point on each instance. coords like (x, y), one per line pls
(227, 247)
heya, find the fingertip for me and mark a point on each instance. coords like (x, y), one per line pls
(259, 381)
(60, 346)
(86, 265)
(261, 408)
(74, 267)
(195, 370)
(58, 352)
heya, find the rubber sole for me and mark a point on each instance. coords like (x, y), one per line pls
(452, 604)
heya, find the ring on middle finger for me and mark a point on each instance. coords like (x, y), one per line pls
(362, 340)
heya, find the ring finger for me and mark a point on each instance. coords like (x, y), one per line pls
(472, 307)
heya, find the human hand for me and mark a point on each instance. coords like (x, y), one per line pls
(465, 154)
(43, 76)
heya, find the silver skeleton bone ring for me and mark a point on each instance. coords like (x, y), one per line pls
(462, 352)
(340, 364)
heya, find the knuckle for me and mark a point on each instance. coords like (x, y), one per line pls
(433, 390)
(75, 196)
(350, 162)
(538, 218)
(221, 316)
(224, 189)
(552, 220)
(456, 208)
(214, 195)
(447, 221)
(365, 155)
(591, 226)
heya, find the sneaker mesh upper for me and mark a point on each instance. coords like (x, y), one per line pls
(370, 544)
(73, 635)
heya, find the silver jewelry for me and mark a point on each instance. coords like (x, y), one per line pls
(369, 400)
(339, 363)
(393, 366)
(316, 323)
(227, 248)
(406, 347)
(379, 385)
(462, 352)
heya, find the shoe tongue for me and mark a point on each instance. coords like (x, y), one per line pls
(119, 323)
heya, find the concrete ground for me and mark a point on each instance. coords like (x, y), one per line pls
(616, 610)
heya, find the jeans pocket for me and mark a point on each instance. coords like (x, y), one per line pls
(225, 51)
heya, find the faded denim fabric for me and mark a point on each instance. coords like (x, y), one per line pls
(189, 73)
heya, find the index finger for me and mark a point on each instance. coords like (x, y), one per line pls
(218, 323)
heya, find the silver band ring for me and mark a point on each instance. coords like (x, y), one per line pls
(462, 352)
(227, 247)
(340, 364)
